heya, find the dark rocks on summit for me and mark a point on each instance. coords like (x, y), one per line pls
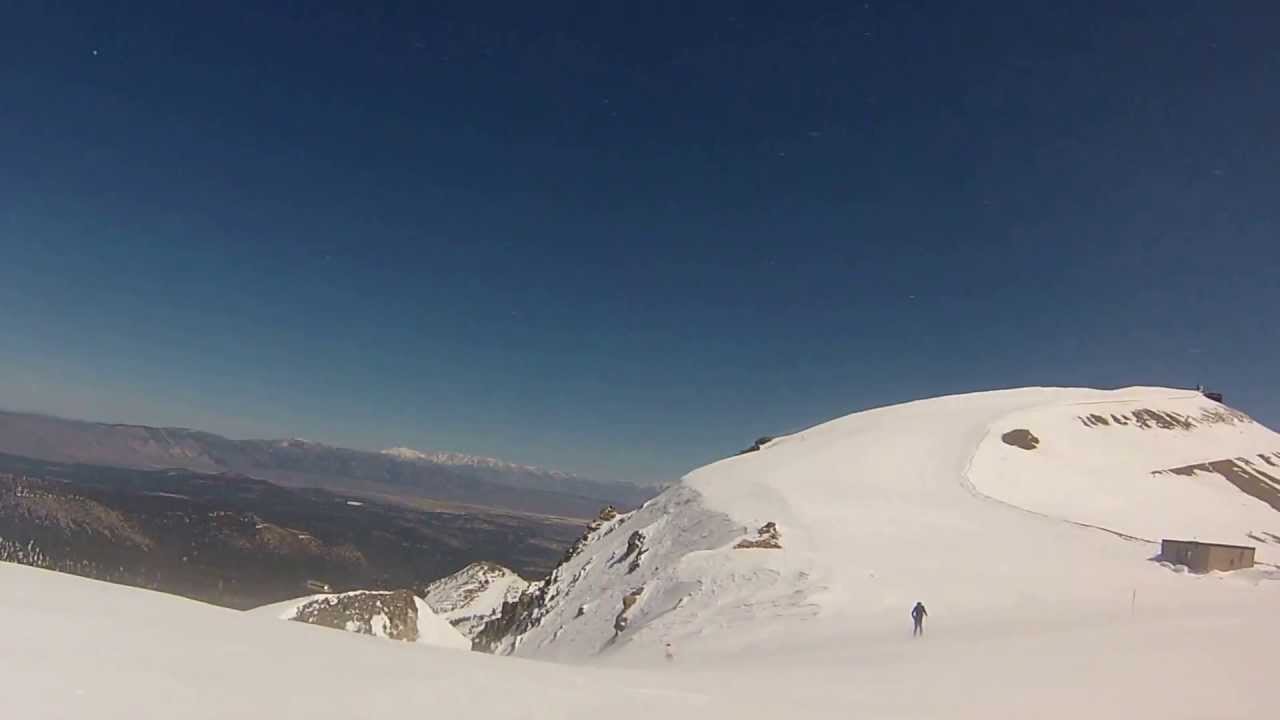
(758, 444)
(767, 538)
(1021, 438)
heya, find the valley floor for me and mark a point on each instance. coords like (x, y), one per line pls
(75, 648)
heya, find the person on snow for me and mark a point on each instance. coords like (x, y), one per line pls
(918, 614)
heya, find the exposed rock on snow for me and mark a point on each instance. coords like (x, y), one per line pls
(502, 634)
(1021, 438)
(767, 538)
(607, 515)
(603, 523)
(392, 615)
(396, 615)
(1242, 472)
(474, 595)
(757, 445)
(623, 618)
(635, 551)
(1147, 418)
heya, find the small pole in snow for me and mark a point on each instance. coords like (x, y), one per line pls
(1133, 603)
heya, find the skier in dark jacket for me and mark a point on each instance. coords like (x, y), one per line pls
(918, 614)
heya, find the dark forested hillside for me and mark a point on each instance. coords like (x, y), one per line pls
(241, 542)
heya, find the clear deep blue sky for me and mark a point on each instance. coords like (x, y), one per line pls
(627, 241)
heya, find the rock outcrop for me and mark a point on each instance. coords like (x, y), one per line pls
(623, 618)
(392, 615)
(501, 634)
(767, 538)
(1246, 474)
(635, 551)
(1021, 438)
(474, 595)
(759, 443)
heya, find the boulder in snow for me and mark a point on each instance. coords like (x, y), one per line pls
(767, 538)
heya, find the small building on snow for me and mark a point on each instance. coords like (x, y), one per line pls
(1202, 557)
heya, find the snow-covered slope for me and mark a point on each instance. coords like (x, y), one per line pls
(922, 501)
(77, 648)
(1147, 463)
(474, 595)
(1031, 610)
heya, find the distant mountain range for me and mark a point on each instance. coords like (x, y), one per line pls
(398, 474)
(442, 457)
(240, 542)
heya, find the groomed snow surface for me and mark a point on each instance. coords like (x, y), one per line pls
(1031, 611)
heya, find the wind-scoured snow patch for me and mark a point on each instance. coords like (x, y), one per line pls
(1257, 481)
(1143, 462)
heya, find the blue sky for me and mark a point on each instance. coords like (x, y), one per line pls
(628, 241)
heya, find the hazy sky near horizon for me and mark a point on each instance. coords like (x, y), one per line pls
(626, 239)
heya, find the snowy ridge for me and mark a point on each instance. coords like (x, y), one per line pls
(474, 595)
(918, 501)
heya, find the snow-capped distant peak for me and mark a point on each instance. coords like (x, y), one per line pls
(442, 457)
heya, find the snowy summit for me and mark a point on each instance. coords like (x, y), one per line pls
(781, 582)
(941, 500)
(474, 595)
